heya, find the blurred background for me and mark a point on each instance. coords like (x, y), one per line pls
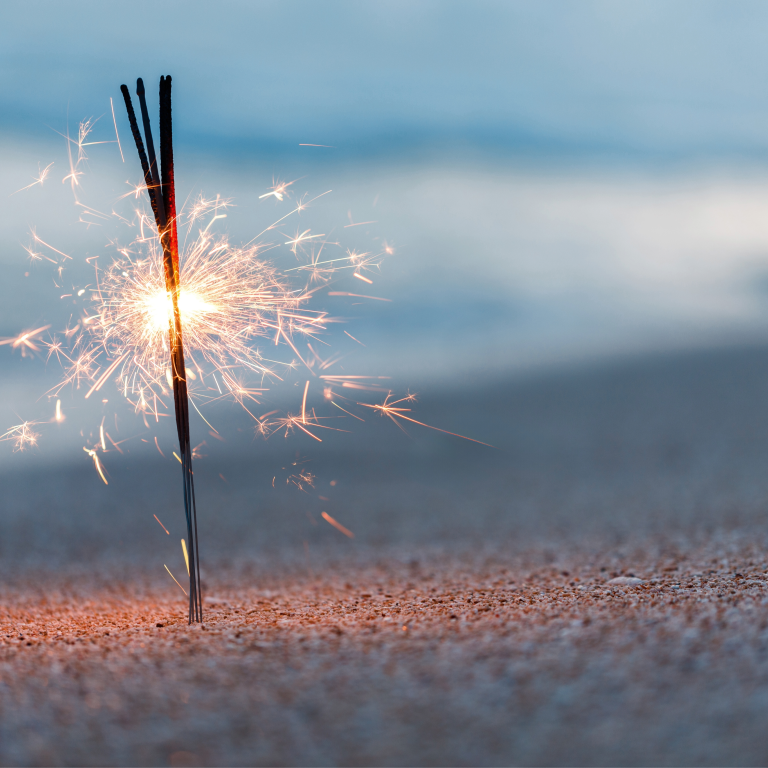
(576, 194)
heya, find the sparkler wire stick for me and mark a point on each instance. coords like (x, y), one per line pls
(181, 398)
(163, 200)
(140, 147)
(148, 134)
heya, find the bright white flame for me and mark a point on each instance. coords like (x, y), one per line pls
(158, 310)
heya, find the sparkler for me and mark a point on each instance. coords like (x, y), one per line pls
(162, 197)
(158, 324)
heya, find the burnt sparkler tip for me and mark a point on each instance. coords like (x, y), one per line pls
(139, 87)
(124, 90)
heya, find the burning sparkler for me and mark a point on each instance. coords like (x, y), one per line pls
(159, 325)
(162, 197)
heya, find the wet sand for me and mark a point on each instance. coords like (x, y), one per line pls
(595, 592)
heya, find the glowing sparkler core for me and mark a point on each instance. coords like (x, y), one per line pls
(193, 307)
(227, 298)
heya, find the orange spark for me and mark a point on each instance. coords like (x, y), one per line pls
(97, 463)
(389, 409)
(174, 578)
(277, 190)
(48, 245)
(301, 238)
(42, 175)
(354, 339)
(117, 135)
(186, 557)
(356, 295)
(304, 404)
(22, 436)
(161, 525)
(25, 340)
(336, 524)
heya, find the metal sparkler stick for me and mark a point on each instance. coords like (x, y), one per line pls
(163, 200)
(171, 262)
(148, 134)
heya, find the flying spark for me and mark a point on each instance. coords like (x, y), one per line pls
(337, 525)
(22, 436)
(42, 175)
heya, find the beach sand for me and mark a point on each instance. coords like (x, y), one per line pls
(594, 591)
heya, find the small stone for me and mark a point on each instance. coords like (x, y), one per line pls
(627, 581)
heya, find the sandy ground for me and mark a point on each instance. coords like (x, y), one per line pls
(594, 592)
(461, 663)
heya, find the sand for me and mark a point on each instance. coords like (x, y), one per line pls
(444, 663)
(594, 593)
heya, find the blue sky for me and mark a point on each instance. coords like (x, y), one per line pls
(545, 78)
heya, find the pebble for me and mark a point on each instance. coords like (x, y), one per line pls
(627, 581)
